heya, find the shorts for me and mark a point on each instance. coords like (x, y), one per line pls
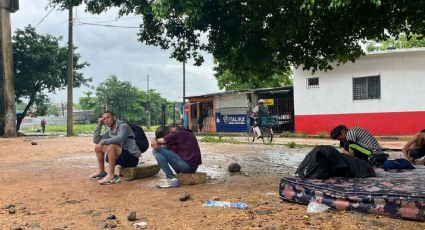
(417, 153)
(125, 159)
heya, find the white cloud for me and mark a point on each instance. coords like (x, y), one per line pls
(116, 51)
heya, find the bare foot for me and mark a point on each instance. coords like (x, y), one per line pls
(106, 179)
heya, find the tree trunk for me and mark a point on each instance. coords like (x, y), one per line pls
(20, 117)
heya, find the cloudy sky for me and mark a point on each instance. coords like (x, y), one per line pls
(111, 50)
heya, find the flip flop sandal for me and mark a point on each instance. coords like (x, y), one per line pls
(115, 180)
(99, 176)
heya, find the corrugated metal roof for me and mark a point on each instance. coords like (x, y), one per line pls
(244, 91)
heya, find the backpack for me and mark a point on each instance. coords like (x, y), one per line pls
(140, 137)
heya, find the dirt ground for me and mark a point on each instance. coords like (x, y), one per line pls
(48, 183)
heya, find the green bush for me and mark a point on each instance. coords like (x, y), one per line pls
(286, 134)
(291, 144)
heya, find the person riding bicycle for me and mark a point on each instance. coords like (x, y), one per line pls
(260, 111)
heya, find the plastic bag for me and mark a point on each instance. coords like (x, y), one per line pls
(225, 204)
(314, 207)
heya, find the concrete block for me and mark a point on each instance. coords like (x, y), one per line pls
(140, 171)
(192, 178)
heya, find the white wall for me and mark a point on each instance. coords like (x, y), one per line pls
(232, 104)
(402, 85)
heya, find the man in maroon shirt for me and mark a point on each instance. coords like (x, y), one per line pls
(185, 159)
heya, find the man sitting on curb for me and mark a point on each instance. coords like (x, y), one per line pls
(176, 147)
(415, 149)
(119, 145)
(356, 141)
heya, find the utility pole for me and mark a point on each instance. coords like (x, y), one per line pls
(7, 91)
(69, 105)
(184, 81)
(149, 106)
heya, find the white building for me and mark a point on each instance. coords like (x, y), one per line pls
(383, 92)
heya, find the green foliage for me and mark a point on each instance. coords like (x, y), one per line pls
(127, 101)
(260, 38)
(291, 144)
(78, 128)
(40, 67)
(287, 134)
(231, 82)
(322, 135)
(53, 110)
(41, 105)
(402, 41)
(65, 4)
(87, 102)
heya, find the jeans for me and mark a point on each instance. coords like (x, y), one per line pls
(417, 153)
(166, 157)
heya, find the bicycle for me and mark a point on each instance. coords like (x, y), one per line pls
(266, 129)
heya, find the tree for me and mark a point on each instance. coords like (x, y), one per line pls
(231, 82)
(402, 41)
(88, 102)
(120, 97)
(266, 36)
(40, 66)
(127, 101)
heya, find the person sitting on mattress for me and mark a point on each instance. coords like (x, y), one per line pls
(356, 141)
(414, 150)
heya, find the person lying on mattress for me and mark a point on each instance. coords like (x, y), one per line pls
(356, 141)
(414, 150)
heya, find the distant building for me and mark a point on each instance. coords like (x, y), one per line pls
(383, 92)
(227, 111)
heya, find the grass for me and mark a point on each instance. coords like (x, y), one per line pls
(292, 144)
(219, 139)
(322, 135)
(79, 128)
(287, 134)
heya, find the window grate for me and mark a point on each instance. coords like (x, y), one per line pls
(365, 88)
(312, 82)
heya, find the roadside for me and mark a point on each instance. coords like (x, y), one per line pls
(48, 184)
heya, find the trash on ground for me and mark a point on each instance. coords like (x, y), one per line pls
(141, 225)
(314, 207)
(225, 204)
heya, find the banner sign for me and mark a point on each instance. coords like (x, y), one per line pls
(269, 101)
(231, 122)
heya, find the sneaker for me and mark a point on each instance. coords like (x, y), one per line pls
(169, 183)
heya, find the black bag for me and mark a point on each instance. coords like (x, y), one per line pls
(140, 137)
(318, 163)
(325, 161)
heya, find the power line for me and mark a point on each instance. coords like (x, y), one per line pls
(113, 20)
(106, 25)
(45, 16)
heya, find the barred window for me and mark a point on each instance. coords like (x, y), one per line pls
(312, 82)
(367, 88)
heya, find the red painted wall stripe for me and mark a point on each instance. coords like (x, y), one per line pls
(389, 123)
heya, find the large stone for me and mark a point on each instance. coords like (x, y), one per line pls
(192, 178)
(140, 171)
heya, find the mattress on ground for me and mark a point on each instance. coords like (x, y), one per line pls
(394, 194)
